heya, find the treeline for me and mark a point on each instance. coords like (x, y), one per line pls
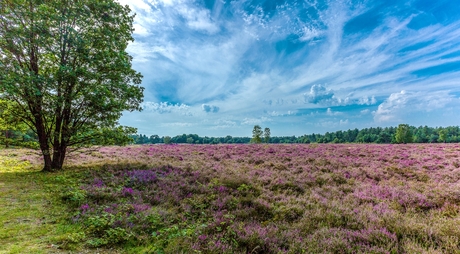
(188, 139)
(387, 135)
(25, 138)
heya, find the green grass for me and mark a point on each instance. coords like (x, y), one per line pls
(33, 217)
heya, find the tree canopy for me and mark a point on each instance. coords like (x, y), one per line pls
(267, 135)
(256, 134)
(9, 123)
(403, 134)
(64, 64)
(386, 135)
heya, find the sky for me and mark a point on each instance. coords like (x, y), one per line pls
(217, 68)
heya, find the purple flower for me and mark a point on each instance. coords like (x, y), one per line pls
(127, 192)
(98, 183)
(84, 208)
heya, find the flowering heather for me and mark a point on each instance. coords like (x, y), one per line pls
(344, 198)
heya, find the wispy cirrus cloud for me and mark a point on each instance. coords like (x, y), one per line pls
(262, 59)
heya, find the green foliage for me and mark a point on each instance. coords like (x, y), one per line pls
(422, 134)
(167, 140)
(101, 227)
(167, 239)
(120, 135)
(256, 134)
(442, 135)
(9, 122)
(74, 196)
(403, 134)
(66, 68)
(267, 135)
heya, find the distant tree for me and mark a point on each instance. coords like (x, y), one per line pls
(154, 139)
(167, 139)
(442, 135)
(256, 134)
(190, 140)
(433, 138)
(120, 135)
(384, 137)
(267, 135)
(403, 134)
(304, 139)
(9, 123)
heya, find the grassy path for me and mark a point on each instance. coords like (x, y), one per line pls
(25, 213)
(33, 218)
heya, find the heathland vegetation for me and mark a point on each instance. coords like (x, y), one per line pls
(235, 198)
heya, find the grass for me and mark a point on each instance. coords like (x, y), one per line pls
(234, 199)
(32, 215)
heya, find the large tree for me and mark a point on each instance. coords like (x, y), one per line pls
(64, 63)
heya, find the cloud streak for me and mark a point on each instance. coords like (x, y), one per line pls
(268, 61)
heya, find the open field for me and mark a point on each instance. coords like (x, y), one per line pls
(349, 198)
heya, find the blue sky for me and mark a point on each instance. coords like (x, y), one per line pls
(218, 68)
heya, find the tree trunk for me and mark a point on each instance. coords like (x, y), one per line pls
(44, 147)
(58, 156)
(43, 141)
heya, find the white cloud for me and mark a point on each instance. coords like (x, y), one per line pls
(343, 122)
(140, 30)
(365, 111)
(391, 108)
(329, 112)
(166, 107)
(310, 33)
(178, 124)
(367, 101)
(224, 124)
(278, 113)
(319, 94)
(399, 105)
(167, 2)
(198, 19)
(255, 121)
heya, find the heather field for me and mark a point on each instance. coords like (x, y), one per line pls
(298, 198)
